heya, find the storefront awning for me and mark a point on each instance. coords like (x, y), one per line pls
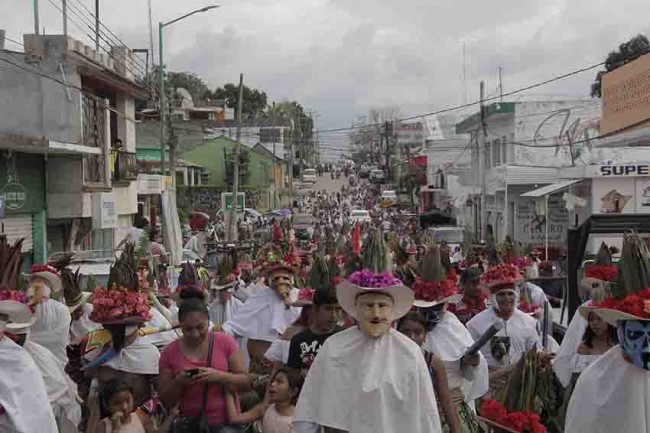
(550, 189)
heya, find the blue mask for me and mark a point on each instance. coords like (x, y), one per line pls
(635, 339)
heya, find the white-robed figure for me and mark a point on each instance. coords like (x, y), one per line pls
(224, 303)
(449, 339)
(613, 393)
(61, 390)
(24, 404)
(517, 335)
(267, 313)
(80, 310)
(369, 378)
(52, 327)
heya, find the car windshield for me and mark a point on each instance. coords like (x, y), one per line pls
(310, 172)
(361, 213)
(450, 236)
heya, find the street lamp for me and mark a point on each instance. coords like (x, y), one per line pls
(161, 78)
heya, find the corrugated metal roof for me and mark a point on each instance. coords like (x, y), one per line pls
(531, 175)
(550, 189)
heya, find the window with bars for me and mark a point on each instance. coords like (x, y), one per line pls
(486, 155)
(496, 152)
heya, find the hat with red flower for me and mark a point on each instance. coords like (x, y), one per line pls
(122, 301)
(501, 277)
(432, 287)
(14, 311)
(629, 297)
(599, 275)
(47, 273)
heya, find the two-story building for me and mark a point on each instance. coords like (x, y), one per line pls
(67, 141)
(517, 147)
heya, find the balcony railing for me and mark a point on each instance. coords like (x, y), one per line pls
(124, 165)
(94, 122)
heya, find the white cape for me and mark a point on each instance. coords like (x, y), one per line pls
(365, 385)
(61, 390)
(449, 340)
(138, 358)
(279, 351)
(23, 394)
(83, 326)
(567, 360)
(611, 395)
(264, 316)
(52, 328)
(521, 328)
(221, 312)
(160, 339)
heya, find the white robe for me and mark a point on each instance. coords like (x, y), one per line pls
(449, 340)
(279, 351)
(23, 395)
(521, 328)
(264, 316)
(611, 396)
(138, 358)
(61, 390)
(52, 328)
(365, 385)
(159, 339)
(222, 312)
(567, 359)
(83, 326)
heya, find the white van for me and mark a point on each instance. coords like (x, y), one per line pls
(309, 175)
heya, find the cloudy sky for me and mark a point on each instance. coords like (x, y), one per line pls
(341, 57)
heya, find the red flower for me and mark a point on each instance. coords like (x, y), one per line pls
(523, 422)
(601, 272)
(634, 304)
(504, 273)
(434, 290)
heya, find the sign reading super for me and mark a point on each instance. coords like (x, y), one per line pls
(625, 170)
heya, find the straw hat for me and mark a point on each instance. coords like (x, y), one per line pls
(47, 273)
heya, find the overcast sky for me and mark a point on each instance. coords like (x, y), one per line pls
(341, 57)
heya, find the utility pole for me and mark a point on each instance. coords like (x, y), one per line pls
(64, 12)
(150, 37)
(274, 158)
(36, 17)
(500, 86)
(97, 25)
(232, 233)
(301, 149)
(480, 142)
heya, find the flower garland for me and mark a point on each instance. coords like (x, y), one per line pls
(367, 278)
(433, 290)
(119, 304)
(601, 272)
(636, 304)
(523, 422)
(12, 295)
(500, 274)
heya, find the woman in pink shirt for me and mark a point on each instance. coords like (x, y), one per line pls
(183, 369)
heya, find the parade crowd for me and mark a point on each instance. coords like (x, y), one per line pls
(368, 326)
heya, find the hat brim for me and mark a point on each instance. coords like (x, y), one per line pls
(19, 315)
(125, 321)
(347, 293)
(453, 299)
(55, 282)
(614, 316)
(82, 301)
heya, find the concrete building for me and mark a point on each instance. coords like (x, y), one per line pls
(67, 134)
(521, 146)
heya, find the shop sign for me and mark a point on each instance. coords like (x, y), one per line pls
(15, 196)
(104, 211)
(629, 170)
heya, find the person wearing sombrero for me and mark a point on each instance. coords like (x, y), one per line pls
(612, 394)
(519, 332)
(24, 403)
(447, 338)
(80, 309)
(223, 304)
(61, 390)
(369, 378)
(122, 308)
(52, 327)
(268, 312)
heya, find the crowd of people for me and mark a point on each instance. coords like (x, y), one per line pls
(367, 326)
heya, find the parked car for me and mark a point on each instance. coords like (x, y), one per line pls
(364, 171)
(452, 235)
(303, 225)
(377, 176)
(389, 195)
(309, 175)
(359, 215)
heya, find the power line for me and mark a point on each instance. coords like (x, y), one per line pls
(471, 104)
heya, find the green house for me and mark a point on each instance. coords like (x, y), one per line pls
(257, 176)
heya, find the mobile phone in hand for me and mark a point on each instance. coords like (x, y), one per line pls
(192, 372)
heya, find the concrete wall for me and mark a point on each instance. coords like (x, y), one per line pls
(64, 188)
(34, 106)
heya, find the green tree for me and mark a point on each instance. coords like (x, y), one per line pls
(254, 102)
(626, 53)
